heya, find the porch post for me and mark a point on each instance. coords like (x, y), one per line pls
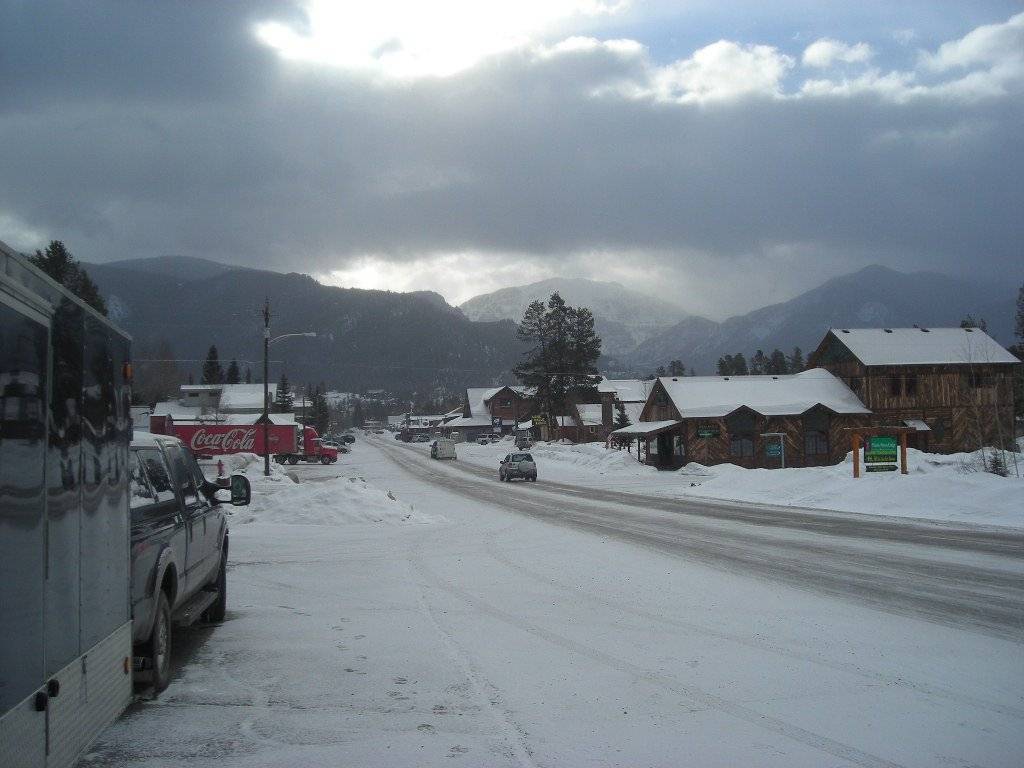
(903, 453)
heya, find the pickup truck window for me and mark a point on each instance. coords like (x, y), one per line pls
(156, 472)
(522, 457)
(182, 474)
(141, 493)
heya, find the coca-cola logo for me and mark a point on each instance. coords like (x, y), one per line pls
(232, 441)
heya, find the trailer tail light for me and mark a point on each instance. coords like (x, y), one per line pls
(126, 371)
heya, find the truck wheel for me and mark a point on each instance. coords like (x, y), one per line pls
(158, 647)
(325, 459)
(217, 611)
(293, 460)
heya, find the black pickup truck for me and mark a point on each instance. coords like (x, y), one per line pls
(179, 548)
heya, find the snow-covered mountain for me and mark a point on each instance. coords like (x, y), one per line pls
(623, 318)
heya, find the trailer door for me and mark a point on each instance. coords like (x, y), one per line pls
(23, 385)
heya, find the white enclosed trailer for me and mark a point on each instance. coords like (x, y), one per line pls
(65, 426)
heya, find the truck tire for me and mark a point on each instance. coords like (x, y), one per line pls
(216, 612)
(158, 647)
(293, 460)
(325, 459)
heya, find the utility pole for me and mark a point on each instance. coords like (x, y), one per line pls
(266, 387)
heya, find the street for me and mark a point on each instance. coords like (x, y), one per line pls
(522, 624)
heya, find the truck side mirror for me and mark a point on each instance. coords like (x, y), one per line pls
(241, 490)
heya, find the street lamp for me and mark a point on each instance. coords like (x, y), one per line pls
(267, 341)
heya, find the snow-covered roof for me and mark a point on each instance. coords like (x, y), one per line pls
(627, 390)
(472, 421)
(922, 346)
(237, 397)
(478, 397)
(633, 411)
(201, 387)
(590, 414)
(252, 418)
(714, 396)
(645, 428)
(177, 411)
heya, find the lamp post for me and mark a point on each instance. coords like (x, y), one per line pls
(267, 341)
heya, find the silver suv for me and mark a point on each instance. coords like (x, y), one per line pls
(517, 465)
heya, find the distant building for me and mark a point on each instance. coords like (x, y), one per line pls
(954, 386)
(215, 404)
(487, 410)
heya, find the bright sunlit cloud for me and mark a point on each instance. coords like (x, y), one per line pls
(403, 39)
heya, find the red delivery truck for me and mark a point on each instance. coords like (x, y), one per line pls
(289, 443)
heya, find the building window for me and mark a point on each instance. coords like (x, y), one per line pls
(981, 381)
(506, 403)
(910, 385)
(815, 443)
(741, 446)
(592, 430)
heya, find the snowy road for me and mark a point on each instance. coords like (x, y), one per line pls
(619, 635)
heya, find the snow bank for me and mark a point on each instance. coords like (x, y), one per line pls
(938, 487)
(335, 501)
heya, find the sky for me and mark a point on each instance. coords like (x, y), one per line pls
(721, 155)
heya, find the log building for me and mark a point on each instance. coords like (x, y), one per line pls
(725, 419)
(954, 386)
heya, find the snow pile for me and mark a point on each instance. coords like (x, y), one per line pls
(590, 457)
(938, 487)
(280, 498)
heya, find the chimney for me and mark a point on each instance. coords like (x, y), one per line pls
(607, 409)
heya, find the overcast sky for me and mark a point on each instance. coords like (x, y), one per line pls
(721, 155)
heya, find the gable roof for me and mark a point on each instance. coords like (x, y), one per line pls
(922, 346)
(627, 390)
(783, 395)
(478, 397)
(245, 396)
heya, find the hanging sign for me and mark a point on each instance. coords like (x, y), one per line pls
(707, 432)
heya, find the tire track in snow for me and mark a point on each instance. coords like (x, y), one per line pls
(741, 712)
(754, 644)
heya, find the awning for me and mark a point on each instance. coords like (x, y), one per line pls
(645, 428)
(917, 424)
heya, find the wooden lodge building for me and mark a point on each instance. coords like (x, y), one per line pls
(719, 419)
(954, 386)
(487, 410)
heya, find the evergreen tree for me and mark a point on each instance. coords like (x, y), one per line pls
(660, 372)
(621, 417)
(676, 368)
(970, 322)
(758, 363)
(284, 400)
(212, 372)
(777, 363)
(58, 263)
(233, 376)
(739, 365)
(561, 359)
(725, 365)
(358, 419)
(318, 413)
(796, 361)
(248, 375)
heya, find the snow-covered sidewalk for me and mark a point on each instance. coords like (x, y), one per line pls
(938, 487)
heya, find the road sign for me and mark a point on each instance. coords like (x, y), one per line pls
(880, 468)
(773, 450)
(706, 432)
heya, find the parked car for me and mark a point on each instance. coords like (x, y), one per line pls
(422, 437)
(482, 440)
(347, 438)
(494, 438)
(442, 449)
(179, 548)
(517, 465)
(523, 443)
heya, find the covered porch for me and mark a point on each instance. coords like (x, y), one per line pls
(666, 437)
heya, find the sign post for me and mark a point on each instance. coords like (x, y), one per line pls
(881, 447)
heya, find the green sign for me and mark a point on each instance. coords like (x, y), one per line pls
(773, 450)
(706, 432)
(880, 450)
(880, 468)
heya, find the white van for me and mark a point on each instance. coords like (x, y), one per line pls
(442, 449)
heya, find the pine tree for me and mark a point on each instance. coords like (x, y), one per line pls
(739, 365)
(284, 400)
(660, 372)
(970, 322)
(58, 263)
(725, 365)
(796, 361)
(248, 375)
(621, 417)
(212, 372)
(777, 364)
(358, 419)
(318, 413)
(676, 368)
(758, 363)
(233, 376)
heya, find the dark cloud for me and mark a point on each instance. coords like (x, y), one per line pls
(133, 130)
